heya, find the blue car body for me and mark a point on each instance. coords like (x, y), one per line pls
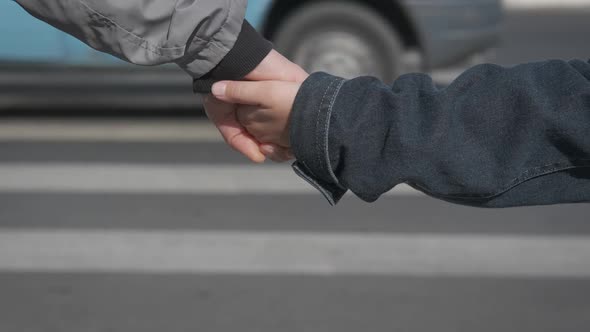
(447, 30)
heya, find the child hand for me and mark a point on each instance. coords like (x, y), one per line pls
(264, 109)
(224, 116)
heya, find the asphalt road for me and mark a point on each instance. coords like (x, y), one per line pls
(108, 228)
(254, 257)
(65, 302)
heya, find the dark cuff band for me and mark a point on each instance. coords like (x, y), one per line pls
(248, 52)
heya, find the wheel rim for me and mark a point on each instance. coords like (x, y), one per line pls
(340, 53)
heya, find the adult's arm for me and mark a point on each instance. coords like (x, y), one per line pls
(209, 39)
(496, 137)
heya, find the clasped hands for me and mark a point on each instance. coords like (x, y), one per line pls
(253, 115)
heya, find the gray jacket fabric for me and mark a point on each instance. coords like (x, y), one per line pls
(195, 34)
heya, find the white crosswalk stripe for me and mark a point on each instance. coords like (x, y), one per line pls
(109, 131)
(295, 253)
(191, 179)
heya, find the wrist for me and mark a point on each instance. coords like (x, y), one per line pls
(248, 52)
(275, 67)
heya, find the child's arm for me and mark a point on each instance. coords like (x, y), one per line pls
(496, 137)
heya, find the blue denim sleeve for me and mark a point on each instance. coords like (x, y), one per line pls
(310, 125)
(496, 137)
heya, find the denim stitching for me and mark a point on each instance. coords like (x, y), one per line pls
(326, 131)
(327, 194)
(527, 175)
(308, 168)
(317, 125)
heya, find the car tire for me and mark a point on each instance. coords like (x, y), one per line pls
(347, 39)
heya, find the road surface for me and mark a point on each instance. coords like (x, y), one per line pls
(147, 227)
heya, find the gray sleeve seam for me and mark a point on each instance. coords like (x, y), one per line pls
(140, 41)
(143, 43)
(211, 42)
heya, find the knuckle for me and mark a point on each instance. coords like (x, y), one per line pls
(255, 131)
(238, 91)
(230, 90)
(265, 137)
(244, 118)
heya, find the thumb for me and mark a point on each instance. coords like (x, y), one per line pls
(245, 93)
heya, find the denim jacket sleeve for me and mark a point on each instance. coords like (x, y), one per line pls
(496, 137)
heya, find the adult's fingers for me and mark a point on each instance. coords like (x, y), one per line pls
(245, 93)
(223, 116)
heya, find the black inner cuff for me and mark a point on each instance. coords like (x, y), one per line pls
(248, 52)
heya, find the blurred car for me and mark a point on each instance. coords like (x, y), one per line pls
(42, 66)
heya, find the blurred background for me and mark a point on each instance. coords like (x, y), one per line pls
(122, 210)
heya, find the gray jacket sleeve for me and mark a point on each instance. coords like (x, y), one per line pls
(195, 34)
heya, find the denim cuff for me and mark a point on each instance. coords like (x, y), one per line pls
(310, 125)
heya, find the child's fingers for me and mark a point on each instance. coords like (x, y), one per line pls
(223, 115)
(277, 153)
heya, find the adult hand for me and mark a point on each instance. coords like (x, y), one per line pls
(263, 108)
(224, 116)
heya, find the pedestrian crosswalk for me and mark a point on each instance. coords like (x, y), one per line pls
(208, 251)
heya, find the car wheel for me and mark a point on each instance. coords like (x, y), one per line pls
(344, 39)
